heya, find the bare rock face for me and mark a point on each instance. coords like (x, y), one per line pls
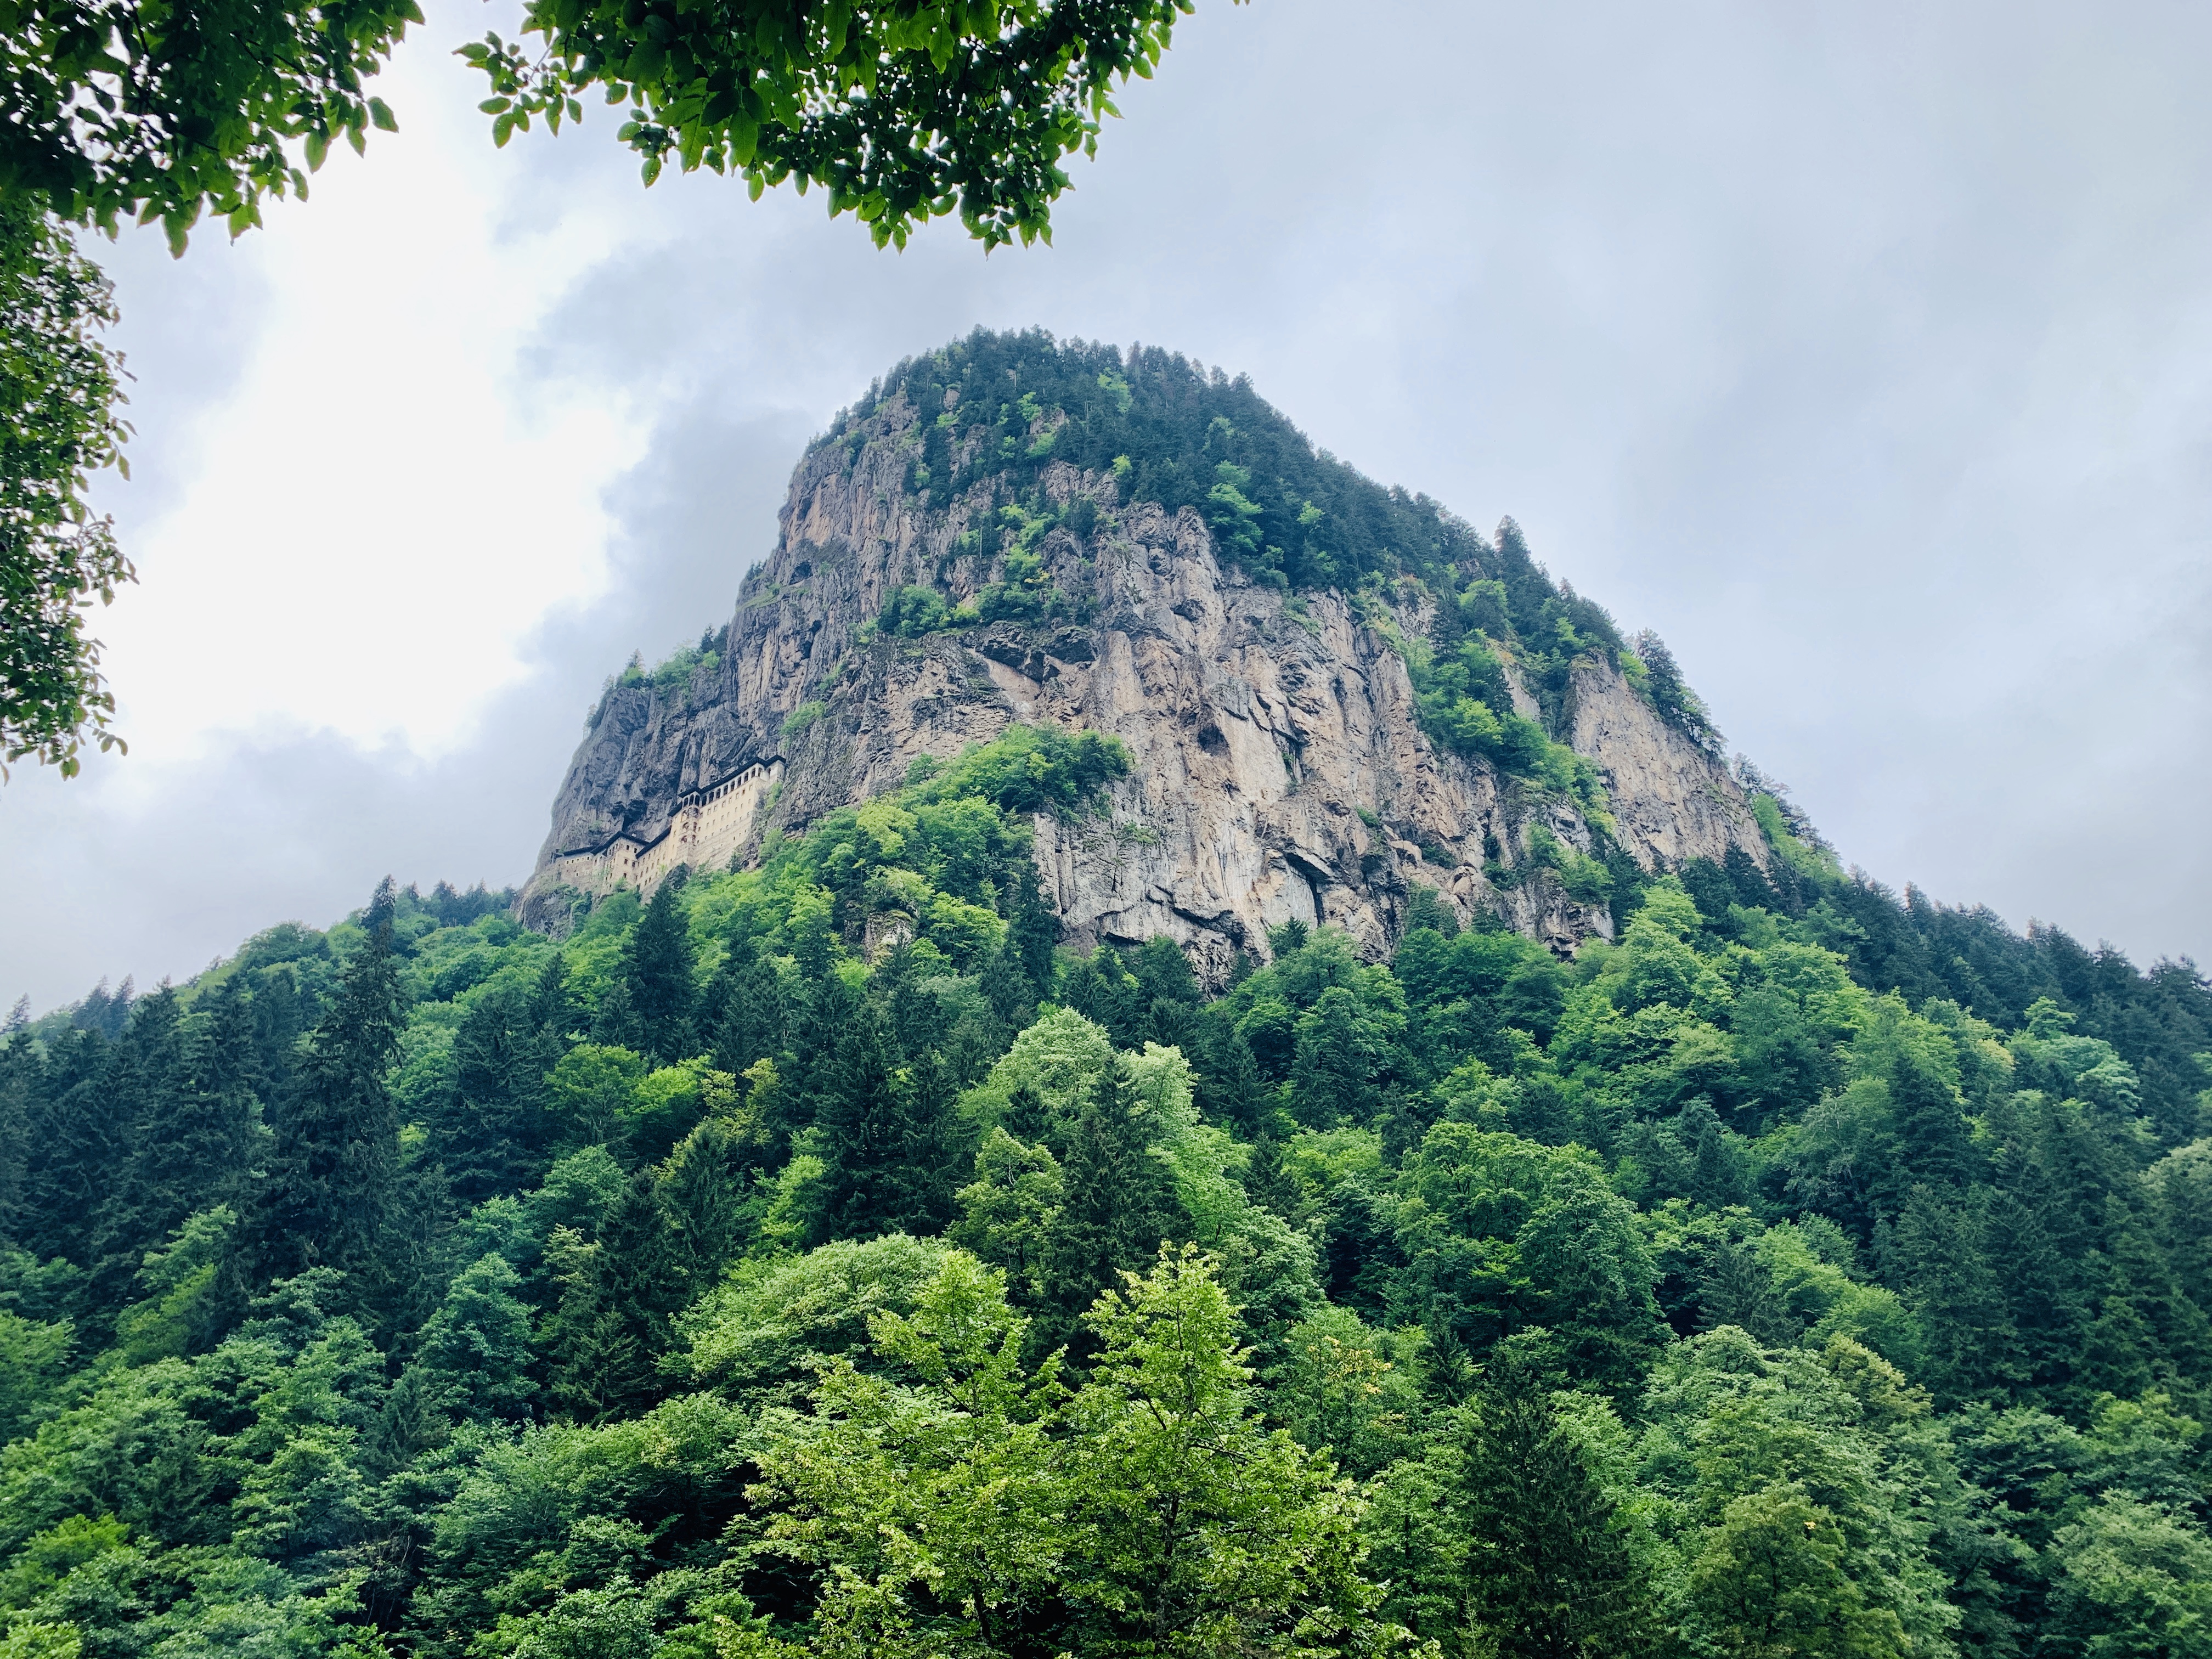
(1280, 772)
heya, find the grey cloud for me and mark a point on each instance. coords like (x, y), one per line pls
(1861, 350)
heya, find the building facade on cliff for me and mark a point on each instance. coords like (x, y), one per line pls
(704, 831)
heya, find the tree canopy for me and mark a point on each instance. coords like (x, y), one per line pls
(119, 109)
(1811, 1273)
(61, 387)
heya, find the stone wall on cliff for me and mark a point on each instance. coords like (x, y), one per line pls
(1281, 770)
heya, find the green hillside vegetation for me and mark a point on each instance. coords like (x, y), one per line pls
(997, 410)
(823, 1259)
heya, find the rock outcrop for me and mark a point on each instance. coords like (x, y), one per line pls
(1281, 772)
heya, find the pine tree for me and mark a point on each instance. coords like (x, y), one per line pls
(1941, 1249)
(619, 1293)
(1719, 1171)
(1553, 1575)
(656, 971)
(1025, 1117)
(930, 1162)
(1032, 928)
(614, 1023)
(1933, 1145)
(140, 1078)
(73, 1145)
(750, 1018)
(1231, 1089)
(707, 1194)
(491, 1136)
(865, 1138)
(334, 1168)
(2044, 1303)
(1119, 1204)
(195, 1133)
(1164, 973)
(1737, 1289)
(1007, 985)
(20, 1075)
(1268, 1181)
(277, 1023)
(1100, 988)
(1332, 1081)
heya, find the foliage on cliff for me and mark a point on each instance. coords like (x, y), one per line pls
(1007, 405)
(1002, 408)
(819, 1260)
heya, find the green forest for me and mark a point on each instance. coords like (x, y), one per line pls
(823, 1258)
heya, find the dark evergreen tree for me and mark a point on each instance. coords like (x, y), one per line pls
(614, 1023)
(1163, 970)
(1553, 1573)
(141, 1075)
(196, 1132)
(1032, 928)
(914, 1017)
(105, 1012)
(1940, 1250)
(1336, 1077)
(861, 1118)
(1735, 1289)
(1119, 1204)
(2046, 1297)
(491, 1136)
(1008, 986)
(74, 1144)
(932, 1164)
(750, 1018)
(334, 1170)
(1025, 1118)
(657, 970)
(1720, 1171)
(1268, 1181)
(1933, 1143)
(1235, 1092)
(708, 1193)
(1100, 987)
(21, 1074)
(278, 1021)
(619, 1293)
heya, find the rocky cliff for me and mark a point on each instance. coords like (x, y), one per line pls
(1281, 769)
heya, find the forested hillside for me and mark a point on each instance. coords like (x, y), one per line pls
(1811, 1273)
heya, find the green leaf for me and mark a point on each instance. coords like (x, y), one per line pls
(380, 113)
(495, 105)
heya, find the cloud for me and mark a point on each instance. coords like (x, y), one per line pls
(1861, 351)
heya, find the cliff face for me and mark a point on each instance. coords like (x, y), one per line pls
(1280, 771)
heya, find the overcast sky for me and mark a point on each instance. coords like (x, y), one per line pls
(1864, 351)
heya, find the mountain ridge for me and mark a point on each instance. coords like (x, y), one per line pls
(940, 575)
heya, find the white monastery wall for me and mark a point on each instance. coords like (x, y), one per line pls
(706, 828)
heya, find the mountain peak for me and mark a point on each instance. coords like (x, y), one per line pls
(1335, 693)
